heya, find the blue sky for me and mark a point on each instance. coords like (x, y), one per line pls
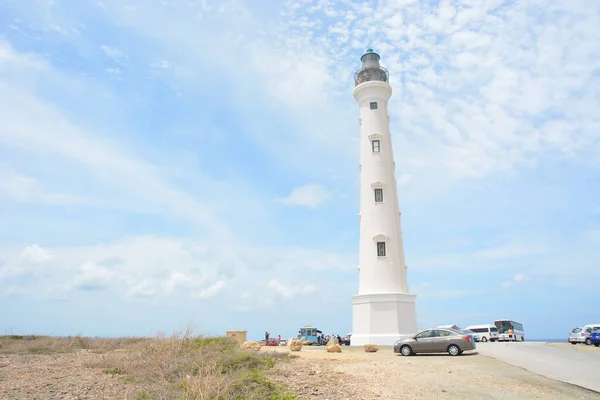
(176, 161)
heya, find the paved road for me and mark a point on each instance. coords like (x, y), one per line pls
(560, 363)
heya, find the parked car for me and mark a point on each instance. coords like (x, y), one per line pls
(595, 337)
(470, 334)
(580, 335)
(435, 341)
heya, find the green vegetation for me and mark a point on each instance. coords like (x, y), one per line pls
(183, 366)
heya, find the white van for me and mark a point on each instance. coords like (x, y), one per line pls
(484, 332)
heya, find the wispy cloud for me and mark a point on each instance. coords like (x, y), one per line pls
(518, 278)
(310, 195)
(212, 290)
(290, 291)
(148, 152)
(112, 52)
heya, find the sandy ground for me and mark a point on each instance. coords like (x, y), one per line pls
(64, 376)
(354, 374)
(312, 374)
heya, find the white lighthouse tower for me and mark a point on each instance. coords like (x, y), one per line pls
(383, 311)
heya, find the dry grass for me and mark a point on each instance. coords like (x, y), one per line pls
(182, 366)
(32, 344)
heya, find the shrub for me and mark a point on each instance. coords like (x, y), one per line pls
(190, 368)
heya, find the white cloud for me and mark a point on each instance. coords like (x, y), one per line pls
(290, 291)
(518, 278)
(212, 290)
(92, 276)
(310, 195)
(112, 52)
(176, 279)
(35, 254)
(35, 126)
(479, 90)
(160, 268)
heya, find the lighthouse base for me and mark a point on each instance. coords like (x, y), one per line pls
(383, 319)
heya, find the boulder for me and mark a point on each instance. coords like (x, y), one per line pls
(295, 345)
(305, 343)
(250, 345)
(371, 348)
(332, 342)
(336, 348)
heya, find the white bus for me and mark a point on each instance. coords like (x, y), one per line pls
(485, 332)
(509, 331)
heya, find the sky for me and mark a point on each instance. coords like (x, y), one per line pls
(176, 163)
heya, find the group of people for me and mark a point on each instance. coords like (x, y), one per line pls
(267, 335)
(324, 339)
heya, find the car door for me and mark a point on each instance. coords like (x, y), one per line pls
(441, 340)
(424, 342)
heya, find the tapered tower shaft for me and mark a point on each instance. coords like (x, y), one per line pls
(383, 310)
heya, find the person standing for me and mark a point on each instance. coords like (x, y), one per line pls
(266, 338)
(278, 340)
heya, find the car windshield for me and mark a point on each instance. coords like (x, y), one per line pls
(576, 330)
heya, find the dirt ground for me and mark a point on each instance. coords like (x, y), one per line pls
(64, 376)
(312, 374)
(354, 374)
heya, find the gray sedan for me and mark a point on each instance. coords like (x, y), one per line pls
(435, 341)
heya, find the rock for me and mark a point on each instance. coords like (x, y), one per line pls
(332, 342)
(336, 348)
(306, 343)
(371, 348)
(250, 345)
(295, 345)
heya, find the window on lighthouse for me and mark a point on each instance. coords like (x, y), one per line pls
(378, 195)
(373, 105)
(376, 146)
(380, 249)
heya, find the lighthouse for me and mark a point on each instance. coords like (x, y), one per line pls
(383, 311)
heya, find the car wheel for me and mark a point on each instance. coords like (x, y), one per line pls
(573, 343)
(484, 339)
(596, 344)
(453, 350)
(406, 351)
(588, 341)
